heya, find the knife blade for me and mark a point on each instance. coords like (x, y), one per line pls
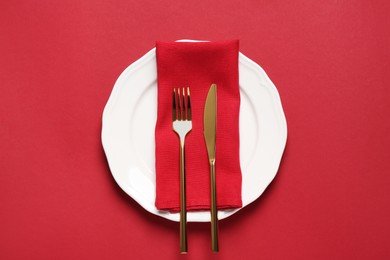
(210, 132)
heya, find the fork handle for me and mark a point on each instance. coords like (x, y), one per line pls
(183, 207)
(214, 212)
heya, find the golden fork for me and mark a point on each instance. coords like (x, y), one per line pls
(182, 124)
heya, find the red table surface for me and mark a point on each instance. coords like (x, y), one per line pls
(330, 61)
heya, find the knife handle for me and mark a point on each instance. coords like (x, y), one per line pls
(183, 206)
(214, 212)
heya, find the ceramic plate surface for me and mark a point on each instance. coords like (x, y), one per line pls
(129, 120)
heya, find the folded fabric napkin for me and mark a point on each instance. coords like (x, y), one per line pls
(198, 65)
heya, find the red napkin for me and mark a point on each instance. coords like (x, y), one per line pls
(198, 65)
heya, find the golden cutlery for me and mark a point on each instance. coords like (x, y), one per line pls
(182, 124)
(209, 131)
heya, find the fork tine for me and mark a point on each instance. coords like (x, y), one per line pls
(189, 113)
(184, 117)
(174, 105)
(180, 111)
(183, 107)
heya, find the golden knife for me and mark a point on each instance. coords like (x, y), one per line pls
(209, 131)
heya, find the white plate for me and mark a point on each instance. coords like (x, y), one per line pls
(129, 120)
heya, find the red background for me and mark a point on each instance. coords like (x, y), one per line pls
(330, 61)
